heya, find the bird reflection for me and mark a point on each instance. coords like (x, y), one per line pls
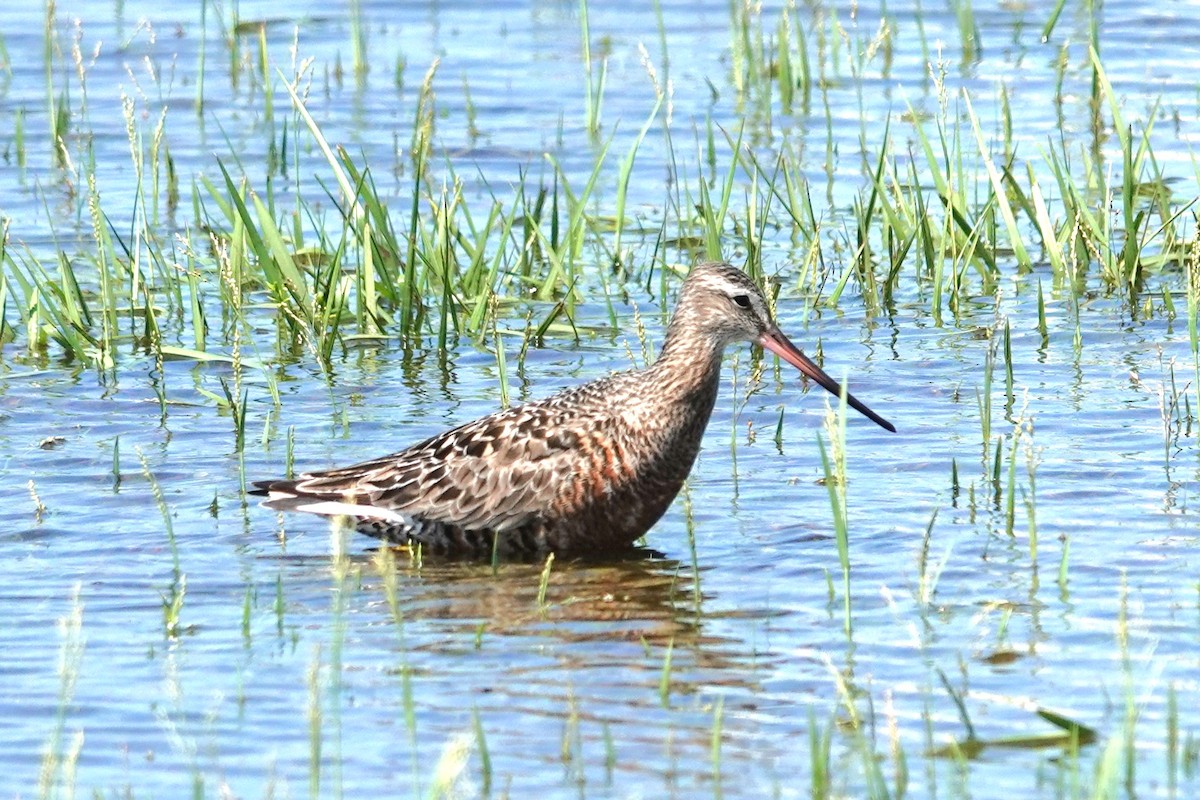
(637, 597)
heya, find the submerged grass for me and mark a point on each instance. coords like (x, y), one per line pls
(60, 758)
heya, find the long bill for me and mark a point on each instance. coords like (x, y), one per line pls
(780, 345)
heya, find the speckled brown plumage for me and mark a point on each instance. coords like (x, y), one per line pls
(590, 468)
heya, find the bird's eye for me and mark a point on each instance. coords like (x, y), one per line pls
(742, 300)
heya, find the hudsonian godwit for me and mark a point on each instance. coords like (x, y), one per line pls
(588, 469)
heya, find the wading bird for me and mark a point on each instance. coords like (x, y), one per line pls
(588, 469)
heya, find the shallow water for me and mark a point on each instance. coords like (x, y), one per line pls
(294, 675)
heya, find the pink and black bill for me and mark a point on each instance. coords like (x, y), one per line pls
(780, 345)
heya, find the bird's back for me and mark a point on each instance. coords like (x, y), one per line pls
(590, 467)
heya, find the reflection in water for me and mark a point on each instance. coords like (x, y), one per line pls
(651, 598)
(638, 596)
(599, 665)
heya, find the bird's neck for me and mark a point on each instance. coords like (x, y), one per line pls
(689, 364)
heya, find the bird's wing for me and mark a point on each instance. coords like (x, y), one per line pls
(495, 473)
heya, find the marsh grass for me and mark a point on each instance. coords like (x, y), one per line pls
(361, 280)
(60, 757)
(173, 597)
(833, 464)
